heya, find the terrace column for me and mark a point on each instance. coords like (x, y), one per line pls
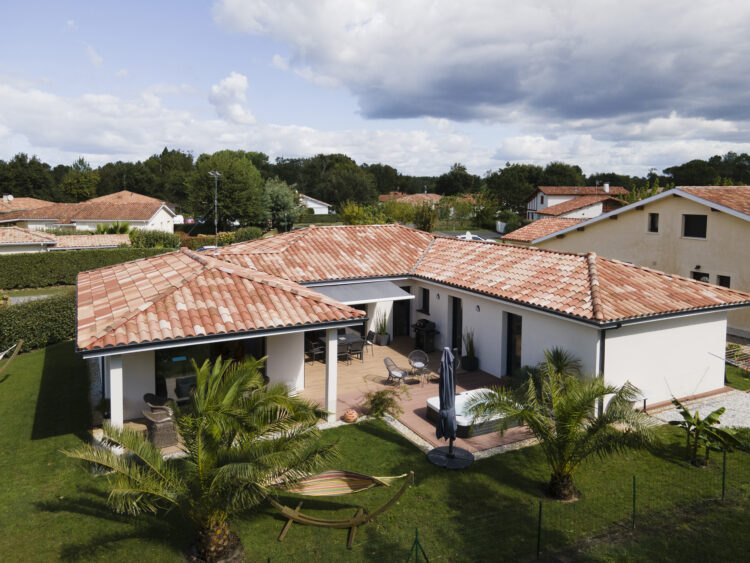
(116, 392)
(332, 356)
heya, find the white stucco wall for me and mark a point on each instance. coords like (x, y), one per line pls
(374, 311)
(21, 248)
(318, 208)
(139, 378)
(161, 221)
(286, 360)
(674, 357)
(588, 212)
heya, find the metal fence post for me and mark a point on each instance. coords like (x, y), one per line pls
(724, 476)
(634, 502)
(539, 533)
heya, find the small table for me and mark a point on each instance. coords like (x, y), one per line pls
(344, 340)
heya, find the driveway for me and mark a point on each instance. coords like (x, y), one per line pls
(736, 402)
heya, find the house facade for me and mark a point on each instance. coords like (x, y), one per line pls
(694, 232)
(549, 196)
(318, 207)
(144, 320)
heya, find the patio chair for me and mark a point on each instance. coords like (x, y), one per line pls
(162, 432)
(395, 373)
(418, 360)
(370, 341)
(356, 349)
(313, 349)
(182, 388)
(157, 403)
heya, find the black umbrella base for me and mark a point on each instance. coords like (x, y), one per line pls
(459, 459)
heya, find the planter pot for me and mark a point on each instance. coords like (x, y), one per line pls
(470, 364)
(382, 339)
(350, 416)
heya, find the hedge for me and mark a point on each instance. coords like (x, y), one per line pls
(140, 238)
(43, 269)
(39, 323)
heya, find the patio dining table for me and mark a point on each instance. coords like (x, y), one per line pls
(344, 339)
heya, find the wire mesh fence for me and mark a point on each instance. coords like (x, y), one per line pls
(536, 528)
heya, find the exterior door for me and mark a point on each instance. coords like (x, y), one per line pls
(513, 344)
(456, 324)
(402, 315)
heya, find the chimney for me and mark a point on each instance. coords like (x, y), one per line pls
(606, 187)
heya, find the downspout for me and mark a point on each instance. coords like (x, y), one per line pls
(602, 354)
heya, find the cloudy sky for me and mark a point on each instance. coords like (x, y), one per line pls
(621, 86)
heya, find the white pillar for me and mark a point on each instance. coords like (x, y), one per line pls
(332, 358)
(116, 395)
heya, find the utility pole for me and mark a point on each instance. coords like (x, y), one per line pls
(216, 175)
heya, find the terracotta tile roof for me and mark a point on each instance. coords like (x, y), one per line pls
(67, 213)
(733, 197)
(336, 252)
(17, 235)
(184, 294)
(124, 196)
(539, 228)
(91, 241)
(390, 195)
(20, 203)
(578, 203)
(581, 190)
(413, 199)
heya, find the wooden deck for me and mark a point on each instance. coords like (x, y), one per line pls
(359, 377)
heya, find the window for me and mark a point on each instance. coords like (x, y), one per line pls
(653, 222)
(700, 276)
(541, 199)
(723, 281)
(694, 226)
(425, 305)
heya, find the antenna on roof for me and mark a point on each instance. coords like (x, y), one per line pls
(216, 175)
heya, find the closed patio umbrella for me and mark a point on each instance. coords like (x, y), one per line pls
(448, 456)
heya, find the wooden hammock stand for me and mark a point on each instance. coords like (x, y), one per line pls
(17, 347)
(360, 518)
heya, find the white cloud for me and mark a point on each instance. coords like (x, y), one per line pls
(95, 58)
(228, 96)
(280, 62)
(122, 73)
(71, 24)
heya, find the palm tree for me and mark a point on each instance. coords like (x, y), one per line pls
(242, 440)
(558, 406)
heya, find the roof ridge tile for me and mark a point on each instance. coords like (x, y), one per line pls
(596, 299)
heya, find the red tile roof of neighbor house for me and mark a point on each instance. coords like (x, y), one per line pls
(186, 294)
(20, 203)
(539, 228)
(124, 196)
(578, 203)
(67, 213)
(581, 190)
(17, 235)
(413, 199)
(733, 197)
(91, 241)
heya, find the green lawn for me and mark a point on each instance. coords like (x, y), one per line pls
(51, 508)
(737, 378)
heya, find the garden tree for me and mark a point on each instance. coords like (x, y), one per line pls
(558, 405)
(281, 203)
(485, 210)
(243, 440)
(343, 181)
(514, 185)
(79, 183)
(169, 171)
(386, 177)
(27, 177)
(240, 189)
(417, 184)
(613, 179)
(693, 173)
(425, 217)
(457, 181)
(702, 431)
(397, 211)
(352, 213)
(562, 174)
(132, 176)
(260, 161)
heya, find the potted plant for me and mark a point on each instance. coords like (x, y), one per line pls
(381, 326)
(469, 362)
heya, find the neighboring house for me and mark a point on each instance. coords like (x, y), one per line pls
(318, 207)
(548, 196)
(701, 232)
(539, 228)
(584, 207)
(14, 240)
(141, 213)
(412, 199)
(144, 320)
(9, 203)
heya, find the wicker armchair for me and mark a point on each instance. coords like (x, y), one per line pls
(161, 428)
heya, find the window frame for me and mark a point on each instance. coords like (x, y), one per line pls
(701, 276)
(650, 224)
(684, 226)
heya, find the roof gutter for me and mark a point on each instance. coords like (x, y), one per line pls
(210, 339)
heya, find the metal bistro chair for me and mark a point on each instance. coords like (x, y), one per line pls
(395, 373)
(418, 360)
(356, 349)
(314, 350)
(370, 341)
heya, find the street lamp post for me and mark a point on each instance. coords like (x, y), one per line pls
(216, 175)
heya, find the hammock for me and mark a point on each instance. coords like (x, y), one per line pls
(337, 483)
(17, 347)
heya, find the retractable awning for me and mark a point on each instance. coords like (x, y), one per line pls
(363, 292)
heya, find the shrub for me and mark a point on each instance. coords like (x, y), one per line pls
(384, 402)
(140, 238)
(115, 228)
(247, 233)
(44, 269)
(38, 323)
(425, 217)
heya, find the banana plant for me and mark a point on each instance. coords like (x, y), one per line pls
(703, 432)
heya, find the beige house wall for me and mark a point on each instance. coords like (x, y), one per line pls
(725, 250)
